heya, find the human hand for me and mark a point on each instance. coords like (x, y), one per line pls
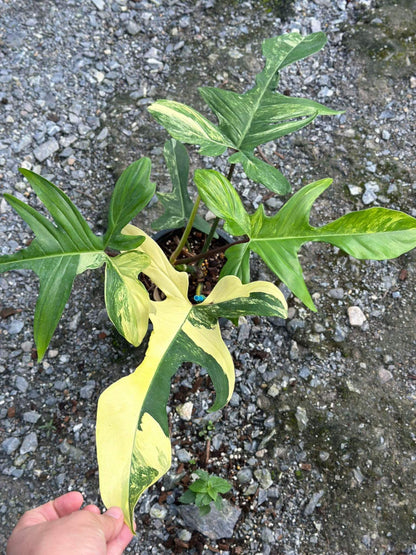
(60, 528)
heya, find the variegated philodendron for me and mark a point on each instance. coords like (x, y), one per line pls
(133, 444)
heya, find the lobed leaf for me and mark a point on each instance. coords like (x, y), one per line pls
(67, 247)
(60, 251)
(375, 233)
(248, 120)
(132, 412)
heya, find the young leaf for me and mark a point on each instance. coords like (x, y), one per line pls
(220, 485)
(199, 486)
(221, 197)
(131, 412)
(126, 298)
(212, 492)
(375, 234)
(132, 192)
(188, 126)
(59, 252)
(202, 499)
(188, 497)
(178, 206)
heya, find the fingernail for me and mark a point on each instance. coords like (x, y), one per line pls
(114, 512)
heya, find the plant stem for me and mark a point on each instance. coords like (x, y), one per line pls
(212, 252)
(186, 233)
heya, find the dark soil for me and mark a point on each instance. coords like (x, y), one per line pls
(205, 272)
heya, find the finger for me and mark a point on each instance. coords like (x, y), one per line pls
(68, 503)
(112, 523)
(92, 509)
(119, 544)
(62, 506)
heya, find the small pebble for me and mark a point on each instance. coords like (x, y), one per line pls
(158, 511)
(30, 443)
(185, 410)
(356, 316)
(43, 151)
(10, 445)
(385, 375)
(21, 384)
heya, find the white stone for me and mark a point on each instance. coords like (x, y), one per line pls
(355, 190)
(356, 316)
(185, 410)
(385, 375)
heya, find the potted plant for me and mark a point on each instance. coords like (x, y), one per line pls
(133, 444)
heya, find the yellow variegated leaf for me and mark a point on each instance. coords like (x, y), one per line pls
(133, 444)
(126, 298)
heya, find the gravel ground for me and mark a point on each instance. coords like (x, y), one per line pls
(318, 439)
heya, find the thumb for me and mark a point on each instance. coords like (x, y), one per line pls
(112, 523)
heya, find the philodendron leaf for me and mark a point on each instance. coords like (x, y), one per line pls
(126, 298)
(248, 120)
(177, 204)
(221, 197)
(188, 126)
(375, 234)
(57, 254)
(61, 250)
(132, 192)
(132, 411)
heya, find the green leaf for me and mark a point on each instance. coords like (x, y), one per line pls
(221, 197)
(132, 192)
(202, 474)
(220, 485)
(67, 247)
(60, 251)
(261, 114)
(376, 233)
(248, 120)
(126, 298)
(188, 497)
(212, 492)
(178, 206)
(202, 499)
(132, 411)
(238, 262)
(199, 486)
(188, 126)
(124, 243)
(261, 172)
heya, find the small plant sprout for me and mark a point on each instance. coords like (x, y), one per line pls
(206, 489)
(132, 431)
